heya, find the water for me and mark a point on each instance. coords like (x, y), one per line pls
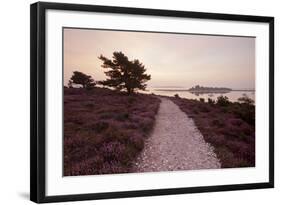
(232, 95)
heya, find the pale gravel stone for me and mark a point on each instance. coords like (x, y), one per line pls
(175, 144)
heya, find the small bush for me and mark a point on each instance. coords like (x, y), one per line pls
(222, 101)
(137, 141)
(131, 99)
(218, 123)
(204, 108)
(236, 122)
(108, 115)
(122, 116)
(100, 126)
(243, 137)
(211, 102)
(201, 99)
(245, 112)
(246, 100)
(146, 125)
(112, 150)
(90, 105)
(195, 111)
(177, 96)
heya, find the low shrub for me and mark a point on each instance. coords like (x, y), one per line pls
(211, 101)
(218, 123)
(122, 116)
(90, 105)
(245, 112)
(146, 125)
(236, 122)
(100, 126)
(246, 100)
(222, 101)
(131, 99)
(204, 108)
(177, 96)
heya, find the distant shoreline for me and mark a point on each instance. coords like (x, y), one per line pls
(204, 91)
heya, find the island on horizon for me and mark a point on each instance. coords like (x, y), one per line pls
(205, 89)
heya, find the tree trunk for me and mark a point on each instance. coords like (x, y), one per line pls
(128, 90)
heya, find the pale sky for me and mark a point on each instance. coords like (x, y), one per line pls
(181, 60)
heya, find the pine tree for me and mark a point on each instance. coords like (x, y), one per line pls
(80, 78)
(124, 74)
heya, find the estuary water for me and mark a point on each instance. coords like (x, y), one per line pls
(232, 95)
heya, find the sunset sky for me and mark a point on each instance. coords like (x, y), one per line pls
(182, 60)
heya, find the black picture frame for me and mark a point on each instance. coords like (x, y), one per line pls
(38, 101)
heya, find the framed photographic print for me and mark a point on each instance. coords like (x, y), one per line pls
(129, 102)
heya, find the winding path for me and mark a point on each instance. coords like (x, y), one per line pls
(175, 144)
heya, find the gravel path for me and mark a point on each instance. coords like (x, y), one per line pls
(175, 144)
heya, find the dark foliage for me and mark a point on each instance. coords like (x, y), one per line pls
(199, 88)
(246, 100)
(222, 101)
(201, 99)
(79, 78)
(124, 74)
(211, 102)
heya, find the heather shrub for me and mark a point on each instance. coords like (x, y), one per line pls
(111, 133)
(244, 112)
(211, 102)
(96, 140)
(243, 137)
(146, 125)
(104, 130)
(218, 123)
(122, 116)
(131, 99)
(105, 116)
(226, 157)
(73, 91)
(246, 130)
(203, 108)
(112, 150)
(235, 121)
(100, 126)
(90, 105)
(228, 126)
(111, 168)
(137, 141)
(130, 125)
(122, 136)
(130, 153)
(195, 111)
(218, 140)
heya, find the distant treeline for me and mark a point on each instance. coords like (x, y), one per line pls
(199, 88)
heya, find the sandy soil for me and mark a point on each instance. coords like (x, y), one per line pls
(175, 144)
